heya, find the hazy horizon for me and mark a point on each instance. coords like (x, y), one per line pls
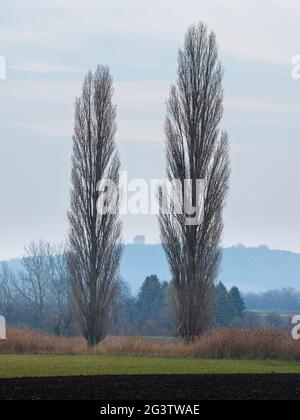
(233, 246)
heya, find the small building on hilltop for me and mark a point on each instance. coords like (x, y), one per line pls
(139, 240)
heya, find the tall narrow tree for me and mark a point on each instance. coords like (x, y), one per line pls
(196, 149)
(95, 244)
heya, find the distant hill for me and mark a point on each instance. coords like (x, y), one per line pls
(140, 261)
(260, 269)
(251, 269)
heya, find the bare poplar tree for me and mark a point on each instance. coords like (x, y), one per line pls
(95, 247)
(196, 150)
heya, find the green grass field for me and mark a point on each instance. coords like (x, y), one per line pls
(19, 366)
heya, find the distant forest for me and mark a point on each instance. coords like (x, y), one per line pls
(150, 313)
(286, 299)
(38, 296)
(34, 293)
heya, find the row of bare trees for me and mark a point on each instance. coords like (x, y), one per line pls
(196, 149)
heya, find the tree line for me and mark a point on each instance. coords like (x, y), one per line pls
(36, 298)
(151, 313)
(286, 299)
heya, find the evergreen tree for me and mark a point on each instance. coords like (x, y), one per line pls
(153, 308)
(148, 304)
(238, 306)
(224, 310)
(166, 317)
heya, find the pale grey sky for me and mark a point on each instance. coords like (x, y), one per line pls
(50, 44)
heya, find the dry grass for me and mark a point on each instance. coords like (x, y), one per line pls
(248, 344)
(21, 341)
(218, 344)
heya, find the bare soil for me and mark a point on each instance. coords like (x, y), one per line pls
(158, 388)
